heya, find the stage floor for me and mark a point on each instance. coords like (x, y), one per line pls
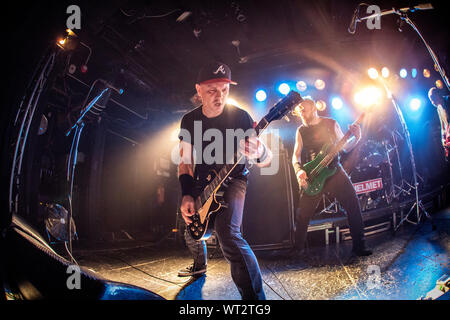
(403, 266)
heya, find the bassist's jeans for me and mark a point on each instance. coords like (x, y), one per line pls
(338, 186)
(245, 270)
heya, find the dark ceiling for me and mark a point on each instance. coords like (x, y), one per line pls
(158, 56)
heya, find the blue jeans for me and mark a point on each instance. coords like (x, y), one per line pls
(245, 270)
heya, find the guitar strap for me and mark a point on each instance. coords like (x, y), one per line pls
(314, 137)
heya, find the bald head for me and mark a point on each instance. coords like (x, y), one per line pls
(308, 111)
(308, 103)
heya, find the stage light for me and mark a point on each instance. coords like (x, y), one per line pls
(415, 104)
(261, 95)
(403, 73)
(426, 73)
(439, 84)
(336, 103)
(232, 102)
(284, 88)
(414, 73)
(70, 32)
(321, 105)
(69, 42)
(235, 103)
(373, 73)
(368, 97)
(301, 86)
(296, 111)
(385, 72)
(319, 84)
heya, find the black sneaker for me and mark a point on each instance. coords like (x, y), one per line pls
(362, 251)
(191, 271)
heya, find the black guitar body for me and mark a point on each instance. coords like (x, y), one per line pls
(202, 231)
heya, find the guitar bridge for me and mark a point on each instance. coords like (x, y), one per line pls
(220, 194)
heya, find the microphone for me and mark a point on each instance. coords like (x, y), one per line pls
(109, 85)
(352, 27)
(423, 6)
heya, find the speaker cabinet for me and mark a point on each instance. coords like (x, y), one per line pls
(269, 208)
(33, 271)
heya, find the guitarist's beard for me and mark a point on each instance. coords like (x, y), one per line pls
(307, 119)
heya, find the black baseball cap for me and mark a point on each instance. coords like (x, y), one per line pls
(214, 72)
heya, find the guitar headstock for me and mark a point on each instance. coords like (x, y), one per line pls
(360, 118)
(284, 106)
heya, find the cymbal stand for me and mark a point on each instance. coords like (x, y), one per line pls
(417, 205)
(404, 187)
(391, 195)
(329, 208)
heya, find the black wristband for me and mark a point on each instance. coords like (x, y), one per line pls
(297, 167)
(187, 184)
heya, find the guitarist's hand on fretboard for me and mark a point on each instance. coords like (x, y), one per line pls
(355, 129)
(252, 148)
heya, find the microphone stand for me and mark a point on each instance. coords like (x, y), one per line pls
(404, 17)
(71, 164)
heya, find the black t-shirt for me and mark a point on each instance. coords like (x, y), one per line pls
(210, 134)
(315, 137)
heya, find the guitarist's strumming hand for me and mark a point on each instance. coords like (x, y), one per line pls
(187, 208)
(301, 178)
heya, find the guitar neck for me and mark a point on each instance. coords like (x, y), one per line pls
(226, 170)
(339, 146)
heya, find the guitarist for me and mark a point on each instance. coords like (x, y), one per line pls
(314, 132)
(438, 100)
(213, 83)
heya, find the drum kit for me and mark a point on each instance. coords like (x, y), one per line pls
(378, 176)
(376, 171)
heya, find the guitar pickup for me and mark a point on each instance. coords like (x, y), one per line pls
(227, 181)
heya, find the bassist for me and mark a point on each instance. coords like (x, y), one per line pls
(311, 136)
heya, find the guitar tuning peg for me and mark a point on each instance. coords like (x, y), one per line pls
(287, 118)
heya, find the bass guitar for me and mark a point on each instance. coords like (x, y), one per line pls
(317, 170)
(209, 203)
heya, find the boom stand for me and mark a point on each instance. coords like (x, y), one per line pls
(71, 163)
(404, 18)
(417, 203)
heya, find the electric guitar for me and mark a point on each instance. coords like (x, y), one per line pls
(209, 202)
(437, 99)
(317, 170)
(446, 143)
